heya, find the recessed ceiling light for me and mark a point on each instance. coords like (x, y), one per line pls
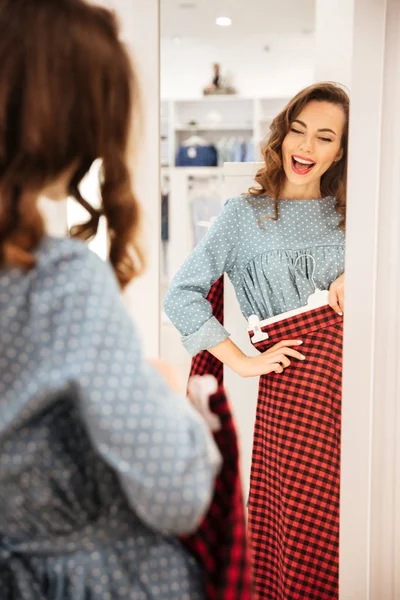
(223, 21)
(176, 40)
(187, 5)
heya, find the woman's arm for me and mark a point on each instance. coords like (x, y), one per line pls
(152, 437)
(274, 360)
(186, 300)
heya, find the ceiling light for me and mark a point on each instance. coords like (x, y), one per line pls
(223, 21)
(176, 40)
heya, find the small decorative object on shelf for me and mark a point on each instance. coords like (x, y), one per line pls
(219, 85)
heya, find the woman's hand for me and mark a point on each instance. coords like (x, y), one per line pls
(274, 360)
(336, 295)
(200, 389)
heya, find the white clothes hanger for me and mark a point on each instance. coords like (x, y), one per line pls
(317, 299)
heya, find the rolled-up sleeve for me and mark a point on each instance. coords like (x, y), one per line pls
(186, 303)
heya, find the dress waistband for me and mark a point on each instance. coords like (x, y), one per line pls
(295, 327)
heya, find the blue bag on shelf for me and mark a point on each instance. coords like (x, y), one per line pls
(197, 156)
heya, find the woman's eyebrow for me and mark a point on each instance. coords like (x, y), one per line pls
(304, 125)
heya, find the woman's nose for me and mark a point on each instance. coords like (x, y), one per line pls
(307, 145)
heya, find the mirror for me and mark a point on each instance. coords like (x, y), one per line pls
(227, 70)
(256, 78)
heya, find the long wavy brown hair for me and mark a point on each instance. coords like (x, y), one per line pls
(272, 176)
(68, 94)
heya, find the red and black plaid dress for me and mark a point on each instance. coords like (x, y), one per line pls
(294, 490)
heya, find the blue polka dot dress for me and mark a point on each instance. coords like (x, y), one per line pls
(101, 465)
(272, 264)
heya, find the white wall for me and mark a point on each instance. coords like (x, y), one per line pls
(334, 41)
(370, 487)
(139, 20)
(140, 28)
(289, 65)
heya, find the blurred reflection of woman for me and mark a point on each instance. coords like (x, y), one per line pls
(102, 464)
(278, 244)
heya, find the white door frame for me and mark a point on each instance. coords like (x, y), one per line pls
(370, 529)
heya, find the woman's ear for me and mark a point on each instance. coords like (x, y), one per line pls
(339, 155)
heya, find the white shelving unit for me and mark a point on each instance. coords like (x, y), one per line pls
(214, 117)
(213, 128)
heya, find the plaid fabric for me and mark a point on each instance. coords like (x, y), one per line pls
(220, 543)
(294, 493)
(205, 363)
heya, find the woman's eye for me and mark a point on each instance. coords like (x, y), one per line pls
(325, 139)
(295, 130)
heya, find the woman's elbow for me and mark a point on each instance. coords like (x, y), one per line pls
(178, 511)
(185, 513)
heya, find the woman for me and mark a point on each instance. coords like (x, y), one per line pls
(101, 463)
(278, 244)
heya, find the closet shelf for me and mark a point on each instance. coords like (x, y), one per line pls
(216, 117)
(219, 127)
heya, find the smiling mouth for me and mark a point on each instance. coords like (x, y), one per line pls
(302, 166)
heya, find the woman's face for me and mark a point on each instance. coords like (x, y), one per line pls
(313, 143)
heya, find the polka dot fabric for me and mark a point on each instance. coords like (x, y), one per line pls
(269, 265)
(101, 465)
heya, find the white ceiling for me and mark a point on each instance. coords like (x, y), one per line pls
(248, 17)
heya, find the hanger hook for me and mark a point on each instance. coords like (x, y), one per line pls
(314, 268)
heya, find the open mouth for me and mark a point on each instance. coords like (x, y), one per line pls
(302, 166)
